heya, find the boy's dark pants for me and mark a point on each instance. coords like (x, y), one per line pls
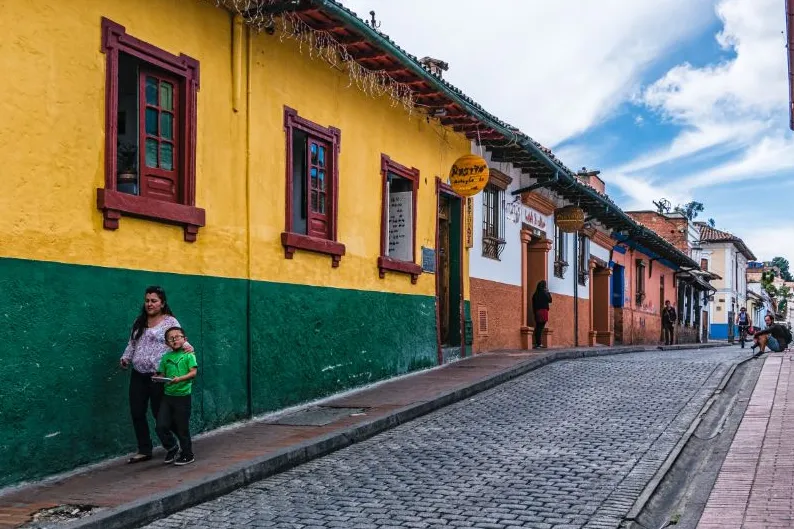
(175, 417)
(144, 392)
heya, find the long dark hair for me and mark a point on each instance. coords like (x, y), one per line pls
(142, 321)
(541, 288)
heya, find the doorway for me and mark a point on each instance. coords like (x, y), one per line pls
(618, 286)
(537, 252)
(449, 275)
(599, 306)
(661, 307)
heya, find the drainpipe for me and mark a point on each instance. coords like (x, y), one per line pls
(249, 51)
(576, 289)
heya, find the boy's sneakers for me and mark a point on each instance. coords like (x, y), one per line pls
(184, 460)
(170, 456)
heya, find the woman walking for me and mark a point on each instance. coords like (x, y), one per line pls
(541, 300)
(144, 350)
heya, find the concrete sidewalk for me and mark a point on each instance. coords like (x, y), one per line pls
(755, 486)
(121, 495)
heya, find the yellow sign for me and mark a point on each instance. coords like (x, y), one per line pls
(469, 175)
(569, 219)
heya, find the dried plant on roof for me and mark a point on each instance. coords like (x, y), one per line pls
(320, 44)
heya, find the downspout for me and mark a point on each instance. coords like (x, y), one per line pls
(576, 289)
(239, 36)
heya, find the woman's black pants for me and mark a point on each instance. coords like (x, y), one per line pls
(143, 393)
(537, 333)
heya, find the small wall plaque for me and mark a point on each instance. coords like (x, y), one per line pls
(428, 260)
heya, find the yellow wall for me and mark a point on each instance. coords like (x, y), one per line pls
(717, 265)
(52, 147)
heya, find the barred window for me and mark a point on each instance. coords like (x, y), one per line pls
(560, 253)
(493, 221)
(584, 259)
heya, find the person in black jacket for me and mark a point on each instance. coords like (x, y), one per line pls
(541, 300)
(775, 336)
(669, 318)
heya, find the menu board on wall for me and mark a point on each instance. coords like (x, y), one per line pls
(400, 222)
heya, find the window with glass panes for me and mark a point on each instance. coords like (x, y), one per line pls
(312, 176)
(150, 133)
(159, 125)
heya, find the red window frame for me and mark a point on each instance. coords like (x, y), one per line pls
(387, 165)
(321, 234)
(184, 71)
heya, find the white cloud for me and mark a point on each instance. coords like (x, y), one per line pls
(558, 68)
(738, 106)
(771, 240)
(552, 68)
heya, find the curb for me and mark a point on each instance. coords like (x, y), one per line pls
(148, 509)
(668, 463)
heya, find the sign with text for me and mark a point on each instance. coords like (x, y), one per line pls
(532, 218)
(400, 226)
(469, 222)
(469, 175)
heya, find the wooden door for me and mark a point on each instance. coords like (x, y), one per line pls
(443, 268)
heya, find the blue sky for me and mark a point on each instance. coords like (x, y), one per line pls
(682, 99)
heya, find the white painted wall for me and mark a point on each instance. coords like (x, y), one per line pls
(507, 269)
(733, 286)
(599, 251)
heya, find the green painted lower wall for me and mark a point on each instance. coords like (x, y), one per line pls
(63, 400)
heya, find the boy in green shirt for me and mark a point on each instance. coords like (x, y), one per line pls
(181, 367)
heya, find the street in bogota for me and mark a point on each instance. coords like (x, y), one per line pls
(262, 266)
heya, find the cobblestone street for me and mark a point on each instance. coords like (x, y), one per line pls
(569, 445)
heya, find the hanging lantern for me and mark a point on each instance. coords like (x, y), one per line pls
(569, 219)
(469, 175)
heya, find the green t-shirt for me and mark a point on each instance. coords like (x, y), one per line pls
(176, 364)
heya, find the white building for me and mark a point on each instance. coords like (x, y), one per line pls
(727, 256)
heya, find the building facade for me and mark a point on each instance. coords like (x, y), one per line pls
(299, 224)
(689, 289)
(607, 279)
(727, 256)
(519, 245)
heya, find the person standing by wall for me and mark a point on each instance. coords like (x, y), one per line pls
(541, 300)
(669, 318)
(144, 351)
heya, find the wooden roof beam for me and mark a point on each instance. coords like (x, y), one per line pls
(474, 135)
(370, 55)
(457, 120)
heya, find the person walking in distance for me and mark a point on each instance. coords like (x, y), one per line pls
(743, 322)
(669, 318)
(541, 300)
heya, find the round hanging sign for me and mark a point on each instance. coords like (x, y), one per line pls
(469, 175)
(569, 219)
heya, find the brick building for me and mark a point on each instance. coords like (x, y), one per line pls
(689, 289)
